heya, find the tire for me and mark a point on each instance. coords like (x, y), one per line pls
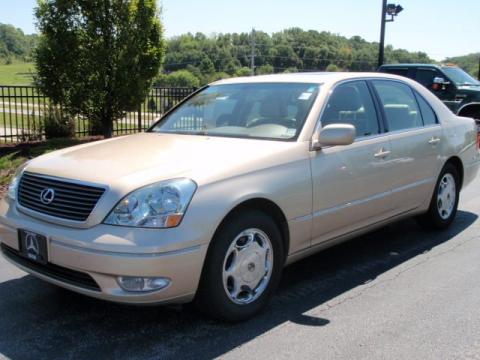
(236, 260)
(443, 208)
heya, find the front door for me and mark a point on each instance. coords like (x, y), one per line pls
(351, 183)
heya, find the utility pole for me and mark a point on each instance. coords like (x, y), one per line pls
(381, 51)
(252, 55)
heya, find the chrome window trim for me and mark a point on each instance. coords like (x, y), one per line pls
(54, 219)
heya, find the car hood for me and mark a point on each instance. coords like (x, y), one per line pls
(137, 160)
(470, 88)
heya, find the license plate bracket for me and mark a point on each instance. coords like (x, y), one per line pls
(33, 246)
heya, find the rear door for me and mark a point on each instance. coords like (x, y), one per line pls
(415, 138)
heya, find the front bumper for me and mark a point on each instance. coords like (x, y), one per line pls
(102, 253)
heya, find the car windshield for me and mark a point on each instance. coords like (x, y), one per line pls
(252, 110)
(459, 77)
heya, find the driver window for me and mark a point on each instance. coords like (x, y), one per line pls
(426, 76)
(351, 103)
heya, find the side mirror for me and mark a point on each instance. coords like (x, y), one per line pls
(440, 81)
(334, 135)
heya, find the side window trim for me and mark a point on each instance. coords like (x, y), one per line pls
(379, 106)
(381, 119)
(381, 129)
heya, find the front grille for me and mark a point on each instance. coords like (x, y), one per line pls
(56, 272)
(71, 201)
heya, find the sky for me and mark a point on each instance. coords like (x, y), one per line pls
(441, 28)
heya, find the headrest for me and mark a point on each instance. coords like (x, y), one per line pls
(273, 107)
(345, 98)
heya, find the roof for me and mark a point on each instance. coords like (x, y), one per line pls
(416, 65)
(308, 77)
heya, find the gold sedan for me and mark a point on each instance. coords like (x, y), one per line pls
(239, 180)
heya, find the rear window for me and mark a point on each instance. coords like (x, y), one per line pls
(429, 117)
(399, 105)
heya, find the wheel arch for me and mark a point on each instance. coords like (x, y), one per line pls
(457, 162)
(468, 110)
(268, 207)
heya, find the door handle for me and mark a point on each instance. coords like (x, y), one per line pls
(434, 141)
(382, 153)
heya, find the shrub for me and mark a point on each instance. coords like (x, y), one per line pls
(244, 71)
(58, 124)
(181, 78)
(332, 68)
(264, 69)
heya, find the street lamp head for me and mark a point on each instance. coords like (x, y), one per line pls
(391, 9)
(394, 10)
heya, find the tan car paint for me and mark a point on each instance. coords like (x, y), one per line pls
(326, 195)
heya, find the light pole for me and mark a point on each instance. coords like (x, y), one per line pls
(392, 10)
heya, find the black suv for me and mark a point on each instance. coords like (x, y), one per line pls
(457, 89)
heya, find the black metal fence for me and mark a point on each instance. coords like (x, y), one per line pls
(23, 110)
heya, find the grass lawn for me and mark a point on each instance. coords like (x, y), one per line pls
(9, 163)
(19, 121)
(16, 74)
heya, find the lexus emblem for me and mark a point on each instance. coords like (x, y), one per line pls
(47, 196)
(32, 245)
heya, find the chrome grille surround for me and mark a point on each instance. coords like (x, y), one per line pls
(73, 200)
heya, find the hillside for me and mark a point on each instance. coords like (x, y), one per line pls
(467, 62)
(209, 57)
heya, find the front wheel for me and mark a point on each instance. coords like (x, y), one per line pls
(243, 267)
(444, 202)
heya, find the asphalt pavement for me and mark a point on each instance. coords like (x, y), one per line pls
(398, 293)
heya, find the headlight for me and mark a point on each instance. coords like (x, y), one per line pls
(13, 186)
(160, 205)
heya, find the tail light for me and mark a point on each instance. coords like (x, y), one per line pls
(478, 134)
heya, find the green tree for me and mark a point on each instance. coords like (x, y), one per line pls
(98, 57)
(207, 67)
(14, 44)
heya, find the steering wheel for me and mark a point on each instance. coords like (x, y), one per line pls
(288, 123)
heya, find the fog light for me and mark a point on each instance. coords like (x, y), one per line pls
(142, 284)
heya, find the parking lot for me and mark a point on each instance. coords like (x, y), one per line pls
(400, 292)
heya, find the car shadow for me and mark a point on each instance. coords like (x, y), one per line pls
(38, 320)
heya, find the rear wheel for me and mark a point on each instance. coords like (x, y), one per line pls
(242, 268)
(444, 202)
